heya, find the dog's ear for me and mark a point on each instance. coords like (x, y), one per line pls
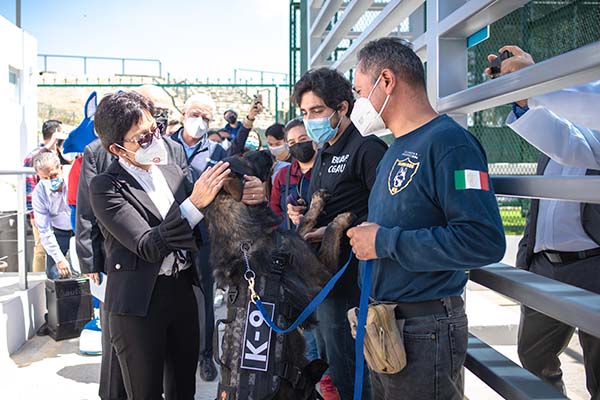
(261, 162)
(234, 186)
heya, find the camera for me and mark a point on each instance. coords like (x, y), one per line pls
(496, 64)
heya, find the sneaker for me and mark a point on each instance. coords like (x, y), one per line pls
(328, 389)
(208, 371)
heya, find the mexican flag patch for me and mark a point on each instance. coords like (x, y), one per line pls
(471, 179)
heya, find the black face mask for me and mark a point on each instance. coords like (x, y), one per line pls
(303, 151)
(232, 119)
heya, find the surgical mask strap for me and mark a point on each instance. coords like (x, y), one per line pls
(339, 122)
(374, 86)
(387, 98)
(124, 148)
(384, 104)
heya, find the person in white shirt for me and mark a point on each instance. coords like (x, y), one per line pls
(52, 214)
(564, 125)
(562, 238)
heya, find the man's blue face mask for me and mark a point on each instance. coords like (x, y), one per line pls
(320, 130)
(53, 184)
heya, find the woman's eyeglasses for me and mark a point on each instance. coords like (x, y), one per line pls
(145, 139)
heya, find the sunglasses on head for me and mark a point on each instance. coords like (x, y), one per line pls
(145, 139)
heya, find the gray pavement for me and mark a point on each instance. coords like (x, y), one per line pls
(45, 369)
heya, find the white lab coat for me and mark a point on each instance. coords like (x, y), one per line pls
(565, 125)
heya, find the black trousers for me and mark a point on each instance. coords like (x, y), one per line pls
(542, 339)
(111, 380)
(164, 342)
(204, 299)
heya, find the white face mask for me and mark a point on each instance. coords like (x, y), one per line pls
(195, 127)
(278, 150)
(364, 116)
(225, 144)
(156, 153)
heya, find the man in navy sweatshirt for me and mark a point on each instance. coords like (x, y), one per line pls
(432, 216)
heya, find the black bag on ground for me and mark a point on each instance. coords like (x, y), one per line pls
(69, 304)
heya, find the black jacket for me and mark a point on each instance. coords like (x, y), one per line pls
(590, 221)
(88, 238)
(137, 238)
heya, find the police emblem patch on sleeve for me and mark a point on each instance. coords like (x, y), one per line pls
(401, 175)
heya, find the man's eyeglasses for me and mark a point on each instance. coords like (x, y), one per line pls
(145, 139)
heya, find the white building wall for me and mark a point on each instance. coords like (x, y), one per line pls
(18, 103)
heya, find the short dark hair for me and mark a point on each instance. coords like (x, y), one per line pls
(395, 54)
(328, 84)
(117, 113)
(49, 127)
(291, 124)
(213, 132)
(275, 130)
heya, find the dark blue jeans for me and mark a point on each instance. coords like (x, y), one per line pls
(63, 238)
(337, 345)
(436, 347)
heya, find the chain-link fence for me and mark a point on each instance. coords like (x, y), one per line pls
(544, 29)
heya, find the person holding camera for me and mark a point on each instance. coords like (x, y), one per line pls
(562, 238)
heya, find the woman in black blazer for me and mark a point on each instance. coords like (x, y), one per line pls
(147, 213)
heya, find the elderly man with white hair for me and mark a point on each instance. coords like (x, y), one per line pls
(52, 214)
(200, 152)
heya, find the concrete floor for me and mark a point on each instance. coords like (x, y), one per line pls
(45, 369)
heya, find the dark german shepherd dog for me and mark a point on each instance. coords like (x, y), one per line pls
(289, 273)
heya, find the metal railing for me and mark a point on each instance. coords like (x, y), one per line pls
(239, 76)
(21, 173)
(85, 59)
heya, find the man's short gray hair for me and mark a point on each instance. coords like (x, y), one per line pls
(200, 99)
(45, 160)
(394, 54)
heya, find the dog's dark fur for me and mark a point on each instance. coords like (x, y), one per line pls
(231, 223)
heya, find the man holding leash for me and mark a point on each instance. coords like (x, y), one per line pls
(432, 216)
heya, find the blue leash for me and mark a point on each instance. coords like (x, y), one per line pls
(310, 308)
(362, 318)
(363, 307)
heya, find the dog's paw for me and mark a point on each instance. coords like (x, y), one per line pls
(344, 221)
(320, 197)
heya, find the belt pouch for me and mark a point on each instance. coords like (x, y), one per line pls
(384, 343)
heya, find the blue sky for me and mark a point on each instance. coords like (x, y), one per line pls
(192, 38)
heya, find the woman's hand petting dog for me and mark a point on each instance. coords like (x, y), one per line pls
(362, 240)
(254, 191)
(209, 184)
